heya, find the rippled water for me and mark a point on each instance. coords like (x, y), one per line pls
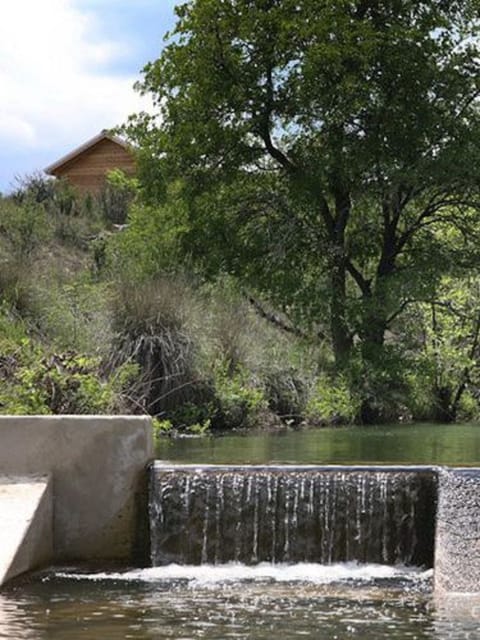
(366, 602)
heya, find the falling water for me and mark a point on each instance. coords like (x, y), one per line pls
(220, 514)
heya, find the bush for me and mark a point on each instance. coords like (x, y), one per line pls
(116, 196)
(73, 313)
(24, 228)
(148, 247)
(286, 394)
(149, 331)
(37, 381)
(331, 402)
(240, 400)
(72, 218)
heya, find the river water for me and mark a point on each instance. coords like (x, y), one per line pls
(365, 602)
(455, 445)
(334, 602)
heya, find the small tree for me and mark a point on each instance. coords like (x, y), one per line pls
(117, 195)
(451, 346)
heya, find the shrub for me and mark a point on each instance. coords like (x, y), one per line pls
(239, 398)
(331, 402)
(74, 313)
(148, 248)
(116, 196)
(35, 382)
(35, 187)
(286, 393)
(24, 228)
(149, 331)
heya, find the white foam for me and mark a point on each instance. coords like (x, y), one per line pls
(234, 572)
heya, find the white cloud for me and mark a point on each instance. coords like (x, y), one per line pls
(14, 129)
(55, 86)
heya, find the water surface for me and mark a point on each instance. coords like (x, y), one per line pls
(454, 445)
(365, 602)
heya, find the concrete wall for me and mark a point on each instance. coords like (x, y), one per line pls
(97, 465)
(457, 539)
(26, 531)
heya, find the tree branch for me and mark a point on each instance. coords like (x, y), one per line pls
(425, 218)
(265, 126)
(400, 310)
(278, 322)
(363, 284)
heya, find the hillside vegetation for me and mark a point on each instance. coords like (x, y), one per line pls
(103, 317)
(93, 321)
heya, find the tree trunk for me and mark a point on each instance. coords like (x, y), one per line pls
(341, 338)
(374, 406)
(445, 410)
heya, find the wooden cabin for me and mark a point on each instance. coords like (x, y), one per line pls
(87, 166)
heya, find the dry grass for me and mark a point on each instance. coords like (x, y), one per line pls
(150, 331)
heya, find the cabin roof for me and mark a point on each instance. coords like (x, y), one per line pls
(103, 135)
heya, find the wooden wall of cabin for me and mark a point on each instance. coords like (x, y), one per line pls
(88, 170)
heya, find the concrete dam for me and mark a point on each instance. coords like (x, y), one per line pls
(86, 489)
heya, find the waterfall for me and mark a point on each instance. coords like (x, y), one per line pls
(219, 514)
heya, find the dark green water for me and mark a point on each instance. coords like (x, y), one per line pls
(454, 445)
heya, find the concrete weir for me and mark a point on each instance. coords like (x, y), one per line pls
(89, 504)
(74, 489)
(457, 546)
(26, 533)
(425, 516)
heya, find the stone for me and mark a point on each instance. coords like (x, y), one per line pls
(457, 539)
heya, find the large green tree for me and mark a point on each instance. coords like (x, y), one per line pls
(321, 146)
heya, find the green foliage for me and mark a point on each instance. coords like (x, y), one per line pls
(190, 413)
(331, 402)
(72, 217)
(450, 348)
(161, 428)
(34, 187)
(24, 228)
(116, 197)
(318, 155)
(64, 202)
(150, 245)
(239, 399)
(74, 313)
(119, 180)
(66, 383)
(38, 382)
(149, 331)
(199, 429)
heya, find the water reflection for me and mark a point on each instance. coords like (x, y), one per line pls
(455, 445)
(13, 622)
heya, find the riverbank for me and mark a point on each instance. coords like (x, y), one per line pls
(94, 319)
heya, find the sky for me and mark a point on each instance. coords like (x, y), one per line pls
(67, 69)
